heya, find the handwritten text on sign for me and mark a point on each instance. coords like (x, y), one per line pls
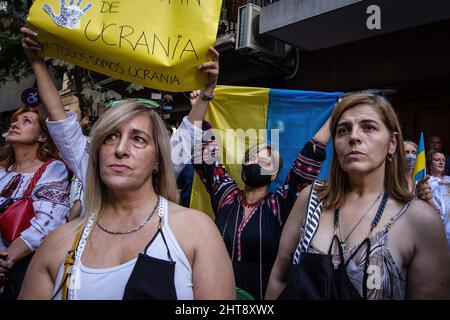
(157, 43)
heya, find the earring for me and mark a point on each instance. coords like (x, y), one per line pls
(156, 170)
(389, 157)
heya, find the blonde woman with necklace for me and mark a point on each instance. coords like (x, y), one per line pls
(134, 242)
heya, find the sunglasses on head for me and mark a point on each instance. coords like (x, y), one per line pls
(151, 104)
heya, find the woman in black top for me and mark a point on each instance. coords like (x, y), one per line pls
(251, 220)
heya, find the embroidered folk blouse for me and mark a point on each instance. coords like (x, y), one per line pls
(253, 243)
(50, 196)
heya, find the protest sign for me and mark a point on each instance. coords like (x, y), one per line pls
(156, 43)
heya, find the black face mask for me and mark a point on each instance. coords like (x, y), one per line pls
(252, 176)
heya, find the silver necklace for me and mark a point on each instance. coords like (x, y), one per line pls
(359, 221)
(139, 227)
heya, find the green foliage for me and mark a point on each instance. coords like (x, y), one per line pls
(13, 63)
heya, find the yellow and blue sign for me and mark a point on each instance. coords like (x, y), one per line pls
(156, 43)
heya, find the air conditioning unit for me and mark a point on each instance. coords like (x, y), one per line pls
(248, 38)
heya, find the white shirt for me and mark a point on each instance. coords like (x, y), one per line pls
(50, 196)
(435, 181)
(109, 283)
(441, 197)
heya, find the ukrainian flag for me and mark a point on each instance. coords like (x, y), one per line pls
(237, 111)
(420, 170)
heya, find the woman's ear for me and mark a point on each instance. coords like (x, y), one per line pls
(393, 143)
(42, 138)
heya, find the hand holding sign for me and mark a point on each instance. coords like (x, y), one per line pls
(70, 16)
(211, 68)
(193, 97)
(31, 45)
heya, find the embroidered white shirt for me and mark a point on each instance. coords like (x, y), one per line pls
(50, 196)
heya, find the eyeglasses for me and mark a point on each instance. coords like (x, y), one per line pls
(151, 104)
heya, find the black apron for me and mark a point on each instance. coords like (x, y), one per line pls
(152, 278)
(316, 278)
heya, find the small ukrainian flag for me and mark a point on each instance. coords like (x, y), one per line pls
(420, 170)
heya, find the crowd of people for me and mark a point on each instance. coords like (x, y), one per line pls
(109, 222)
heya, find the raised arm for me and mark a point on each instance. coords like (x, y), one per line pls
(200, 101)
(324, 134)
(220, 186)
(305, 169)
(46, 87)
(64, 128)
(191, 127)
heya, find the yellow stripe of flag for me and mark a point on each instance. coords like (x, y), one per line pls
(420, 166)
(232, 108)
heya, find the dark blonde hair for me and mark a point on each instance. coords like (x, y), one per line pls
(46, 150)
(273, 153)
(334, 192)
(411, 143)
(163, 180)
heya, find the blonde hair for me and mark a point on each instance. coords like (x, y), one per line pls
(411, 143)
(163, 180)
(273, 153)
(46, 149)
(334, 192)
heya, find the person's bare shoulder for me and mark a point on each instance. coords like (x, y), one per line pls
(193, 229)
(423, 215)
(64, 233)
(425, 223)
(189, 219)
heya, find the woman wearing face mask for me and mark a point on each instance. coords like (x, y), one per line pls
(410, 160)
(251, 220)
